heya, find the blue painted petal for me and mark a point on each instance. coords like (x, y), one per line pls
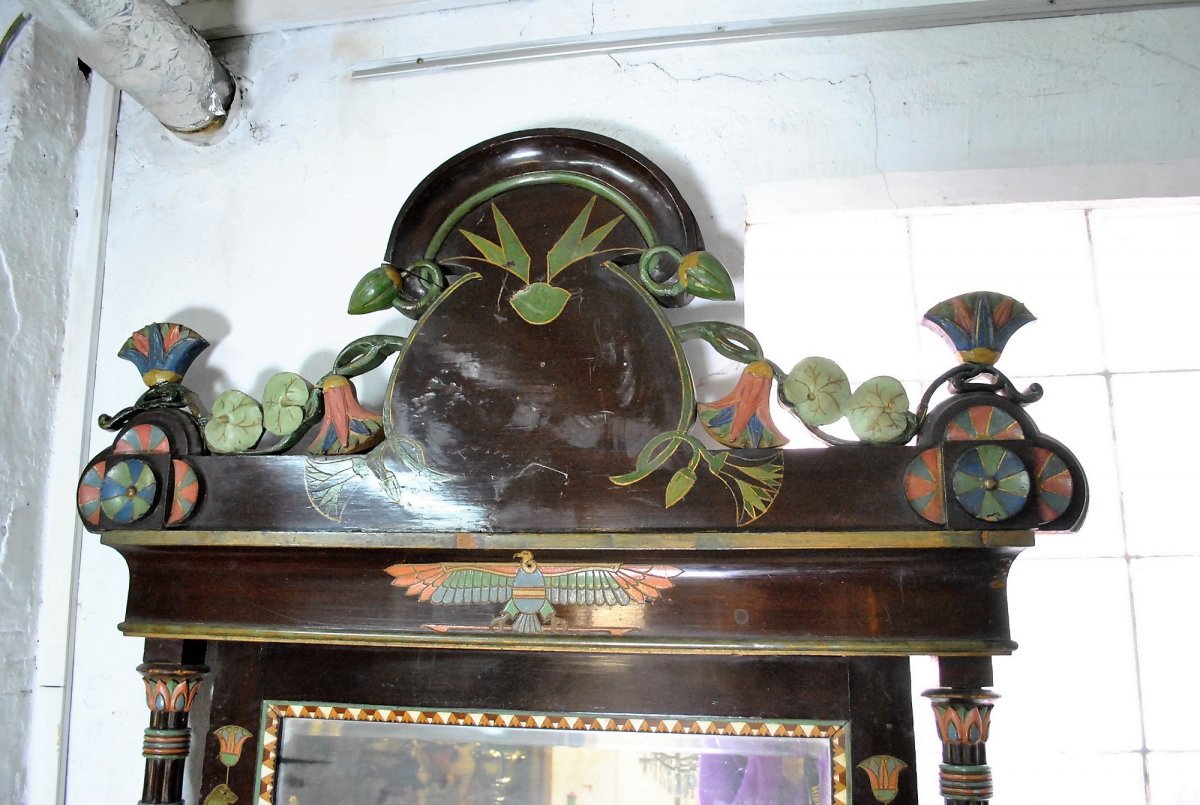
(722, 417)
(131, 354)
(331, 438)
(973, 501)
(985, 334)
(157, 351)
(1009, 502)
(125, 515)
(1010, 327)
(183, 353)
(959, 337)
(755, 428)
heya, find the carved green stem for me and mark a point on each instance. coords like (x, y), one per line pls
(647, 261)
(293, 438)
(432, 278)
(656, 453)
(733, 342)
(534, 179)
(157, 397)
(366, 354)
(357, 358)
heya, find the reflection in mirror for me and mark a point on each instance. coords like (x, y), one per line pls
(386, 757)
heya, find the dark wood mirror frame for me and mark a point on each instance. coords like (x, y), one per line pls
(539, 521)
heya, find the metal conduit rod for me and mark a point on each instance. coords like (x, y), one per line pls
(813, 25)
(142, 47)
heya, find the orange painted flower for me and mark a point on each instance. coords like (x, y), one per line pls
(743, 417)
(346, 427)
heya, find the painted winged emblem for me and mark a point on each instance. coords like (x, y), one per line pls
(529, 591)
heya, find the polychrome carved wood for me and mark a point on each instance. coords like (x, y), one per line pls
(540, 477)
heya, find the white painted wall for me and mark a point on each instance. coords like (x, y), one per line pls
(257, 240)
(42, 97)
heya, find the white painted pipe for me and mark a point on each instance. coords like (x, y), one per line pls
(145, 49)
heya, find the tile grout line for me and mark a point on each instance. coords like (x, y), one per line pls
(1112, 419)
(1107, 374)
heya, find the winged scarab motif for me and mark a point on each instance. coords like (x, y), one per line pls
(529, 591)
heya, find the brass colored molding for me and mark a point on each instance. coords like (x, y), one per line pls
(827, 647)
(462, 541)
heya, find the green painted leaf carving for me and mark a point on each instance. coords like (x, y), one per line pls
(412, 456)
(818, 391)
(652, 456)
(878, 410)
(539, 303)
(701, 274)
(754, 482)
(681, 483)
(285, 403)
(324, 480)
(236, 423)
(573, 246)
(508, 254)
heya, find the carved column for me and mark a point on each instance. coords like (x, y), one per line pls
(963, 717)
(170, 691)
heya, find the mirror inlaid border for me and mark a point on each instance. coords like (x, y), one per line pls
(837, 733)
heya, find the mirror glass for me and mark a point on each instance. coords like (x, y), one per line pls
(323, 760)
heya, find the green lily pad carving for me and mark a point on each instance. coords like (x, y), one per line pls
(539, 303)
(286, 400)
(878, 410)
(236, 424)
(818, 390)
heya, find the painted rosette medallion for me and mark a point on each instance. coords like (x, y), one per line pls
(185, 492)
(1054, 484)
(924, 487)
(991, 483)
(128, 491)
(87, 496)
(142, 439)
(983, 422)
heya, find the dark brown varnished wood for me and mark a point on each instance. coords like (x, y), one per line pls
(594, 155)
(834, 690)
(898, 598)
(532, 523)
(852, 489)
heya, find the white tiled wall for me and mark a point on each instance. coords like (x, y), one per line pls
(1098, 704)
